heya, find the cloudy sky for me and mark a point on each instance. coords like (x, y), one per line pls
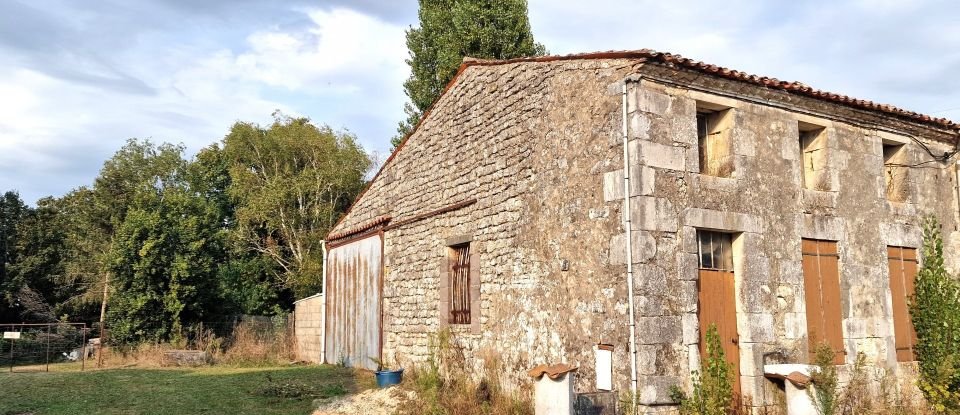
(79, 78)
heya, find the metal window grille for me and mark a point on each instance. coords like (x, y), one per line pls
(460, 284)
(716, 250)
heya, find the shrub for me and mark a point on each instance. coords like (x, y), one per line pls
(935, 312)
(442, 388)
(713, 389)
(826, 391)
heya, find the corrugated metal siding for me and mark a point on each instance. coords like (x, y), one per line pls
(353, 298)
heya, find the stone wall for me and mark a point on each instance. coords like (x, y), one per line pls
(764, 203)
(538, 145)
(308, 328)
(531, 143)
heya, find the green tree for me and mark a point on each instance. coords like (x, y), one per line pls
(935, 312)
(164, 266)
(451, 30)
(39, 269)
(150, 233)
(290, 183)
(246, 279)
(88, 232)
(12, 213)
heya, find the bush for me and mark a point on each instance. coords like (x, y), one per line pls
(826, 391)
(935, 311)
(713, 390)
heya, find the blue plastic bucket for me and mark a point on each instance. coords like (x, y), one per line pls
(389, 377)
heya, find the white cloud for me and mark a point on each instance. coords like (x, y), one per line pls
(341, 67)
(75, 91)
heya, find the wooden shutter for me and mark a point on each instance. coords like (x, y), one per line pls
(475, 293)
(902, 263)
(821, 279)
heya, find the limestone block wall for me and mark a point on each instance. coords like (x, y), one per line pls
(764, 203)
(530, 142)
(308, 328)
(538, 145)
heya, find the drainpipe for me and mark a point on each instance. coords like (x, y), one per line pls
(628, 228)
(323, 311)
(956, 173)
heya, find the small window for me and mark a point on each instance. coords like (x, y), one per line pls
(895, 171)
(714, 140)
(460, 284)
(902, 266)
(716, 250)
(813, 157)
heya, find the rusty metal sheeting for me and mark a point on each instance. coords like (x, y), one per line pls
(353, 303)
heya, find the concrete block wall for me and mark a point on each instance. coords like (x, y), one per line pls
(308, 328)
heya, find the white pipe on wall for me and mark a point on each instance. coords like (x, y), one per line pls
(628, 228)
(323, 308)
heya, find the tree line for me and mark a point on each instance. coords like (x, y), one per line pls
(234, 230)
(160, 241)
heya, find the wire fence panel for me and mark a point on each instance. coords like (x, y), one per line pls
(76, 347)
(34, 347)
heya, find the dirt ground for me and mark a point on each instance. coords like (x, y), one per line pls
(368, 402)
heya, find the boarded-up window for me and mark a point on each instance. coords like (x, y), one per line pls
(895, 172)
(460, 284)
(903, 275)
(813, 156)
(714, 139)
(821, 280)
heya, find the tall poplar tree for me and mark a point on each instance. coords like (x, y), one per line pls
(451, 30)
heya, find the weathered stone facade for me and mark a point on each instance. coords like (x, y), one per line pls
(538, 145)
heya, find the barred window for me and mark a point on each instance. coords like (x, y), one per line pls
(460, 284)
(716, 250)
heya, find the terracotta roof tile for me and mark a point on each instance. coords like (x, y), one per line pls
(377, 221)
(773, 83)
(552, 371)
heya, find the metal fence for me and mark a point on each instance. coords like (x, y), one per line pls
(33, 347)
(37, 347)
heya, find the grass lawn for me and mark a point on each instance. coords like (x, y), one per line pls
(206, 390)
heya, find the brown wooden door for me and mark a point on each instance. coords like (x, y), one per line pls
(821, 280)
(902, 264)
(718, 307)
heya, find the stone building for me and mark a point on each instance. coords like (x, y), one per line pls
(784, 215)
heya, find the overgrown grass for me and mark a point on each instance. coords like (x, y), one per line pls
(207, 390)
(444, 385)
(246, 344)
